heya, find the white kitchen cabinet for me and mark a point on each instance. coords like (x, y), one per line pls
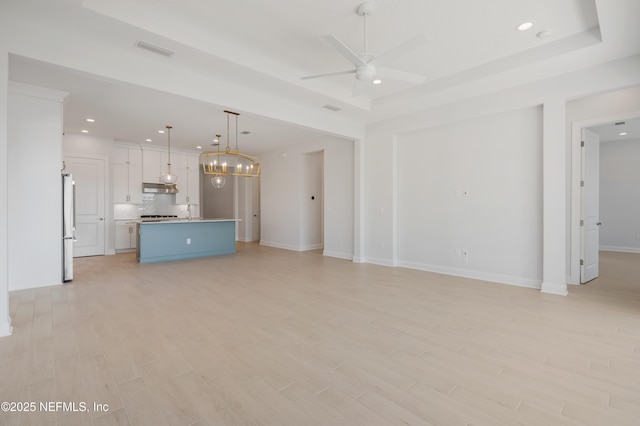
(188, 179)
(127, 176)
(151, 166)
(125, 235)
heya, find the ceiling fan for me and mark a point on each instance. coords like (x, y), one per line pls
(367, 69)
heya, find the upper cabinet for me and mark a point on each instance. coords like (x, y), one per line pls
(127, 175)
(186, 166)
(152, 166)
(188, 179)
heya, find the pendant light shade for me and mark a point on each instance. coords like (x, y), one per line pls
(218, 181)
(169, 178)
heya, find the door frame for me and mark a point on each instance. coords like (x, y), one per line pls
(109, 225)
(575, 237)
(590, 206)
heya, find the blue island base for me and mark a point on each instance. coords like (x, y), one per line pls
(177, 240)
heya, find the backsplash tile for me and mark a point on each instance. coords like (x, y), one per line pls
(160, 204)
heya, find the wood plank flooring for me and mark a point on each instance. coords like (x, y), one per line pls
(270, 336)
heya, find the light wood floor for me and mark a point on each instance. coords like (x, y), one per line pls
(269, 336)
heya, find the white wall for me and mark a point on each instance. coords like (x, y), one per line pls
(282, 191)
(382, 193)
(473, 187)
(619, 196)
(5, 319)
(35, 187)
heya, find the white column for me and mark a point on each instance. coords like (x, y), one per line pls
(358, 201)
(5, 320)
(554, 198)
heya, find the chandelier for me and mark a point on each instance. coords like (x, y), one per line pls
(222, 164)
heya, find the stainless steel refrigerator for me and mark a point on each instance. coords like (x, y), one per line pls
(68, 225)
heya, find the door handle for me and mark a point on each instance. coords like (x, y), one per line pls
(101, 218)
(599, 223)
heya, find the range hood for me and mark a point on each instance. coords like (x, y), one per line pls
(159, 188)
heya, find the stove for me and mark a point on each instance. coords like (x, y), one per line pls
(157, 217)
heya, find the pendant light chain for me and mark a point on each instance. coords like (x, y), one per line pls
(237, 150)
(169, 148)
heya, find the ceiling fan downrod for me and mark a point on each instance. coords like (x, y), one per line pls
(365, 9)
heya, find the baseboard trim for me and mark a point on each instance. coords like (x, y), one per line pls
(553, 288)
(475, 275)
(337, 254)
(621, 249)
(379, 261)
(30, 287)
(5, 328)
(278, 245)
(311, 247)
(291, 247)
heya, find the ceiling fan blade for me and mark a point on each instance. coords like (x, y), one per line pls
(402, 49)
(344, 50)
(399, 75)
(328, 74)
(359, 88)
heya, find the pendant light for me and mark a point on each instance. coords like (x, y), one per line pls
(169, 178)
(219, 179)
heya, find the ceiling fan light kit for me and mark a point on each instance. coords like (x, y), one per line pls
(366, 65)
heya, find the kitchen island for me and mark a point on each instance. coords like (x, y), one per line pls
(184, 239)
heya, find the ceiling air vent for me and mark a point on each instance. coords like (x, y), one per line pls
(332, 107)
(154, 48)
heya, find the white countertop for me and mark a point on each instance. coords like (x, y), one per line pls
(185, 220)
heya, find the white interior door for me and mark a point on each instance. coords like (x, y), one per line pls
(255, 208)
(89, 176)
(590, 229)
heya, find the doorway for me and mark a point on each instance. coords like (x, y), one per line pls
(89, 176)
(617, 205)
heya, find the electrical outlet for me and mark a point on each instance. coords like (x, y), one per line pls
(458, 252)
(188, 240)
(637, 237)
(465, 260)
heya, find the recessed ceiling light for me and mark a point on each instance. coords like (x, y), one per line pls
(332, 107)
(622, 134)
(525, 26)
(544, 34)
(198, 147)
(377, 81)
(90, 120)
(160, 131)
(84, 131)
